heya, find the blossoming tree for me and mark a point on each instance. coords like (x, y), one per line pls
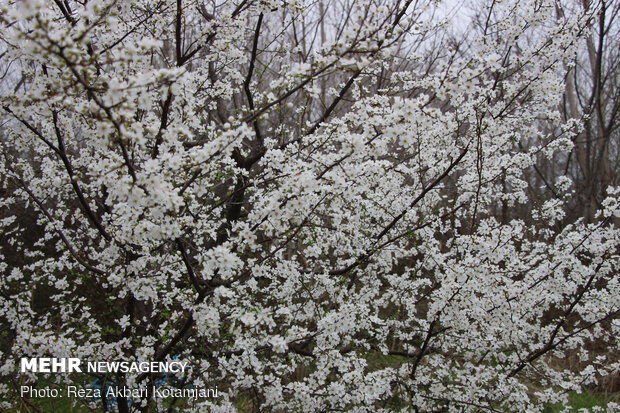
(301, 201)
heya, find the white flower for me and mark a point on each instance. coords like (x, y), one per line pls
(279, 344)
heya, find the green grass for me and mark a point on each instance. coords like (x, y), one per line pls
(578, 401)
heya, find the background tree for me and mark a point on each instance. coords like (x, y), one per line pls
(592, 94)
